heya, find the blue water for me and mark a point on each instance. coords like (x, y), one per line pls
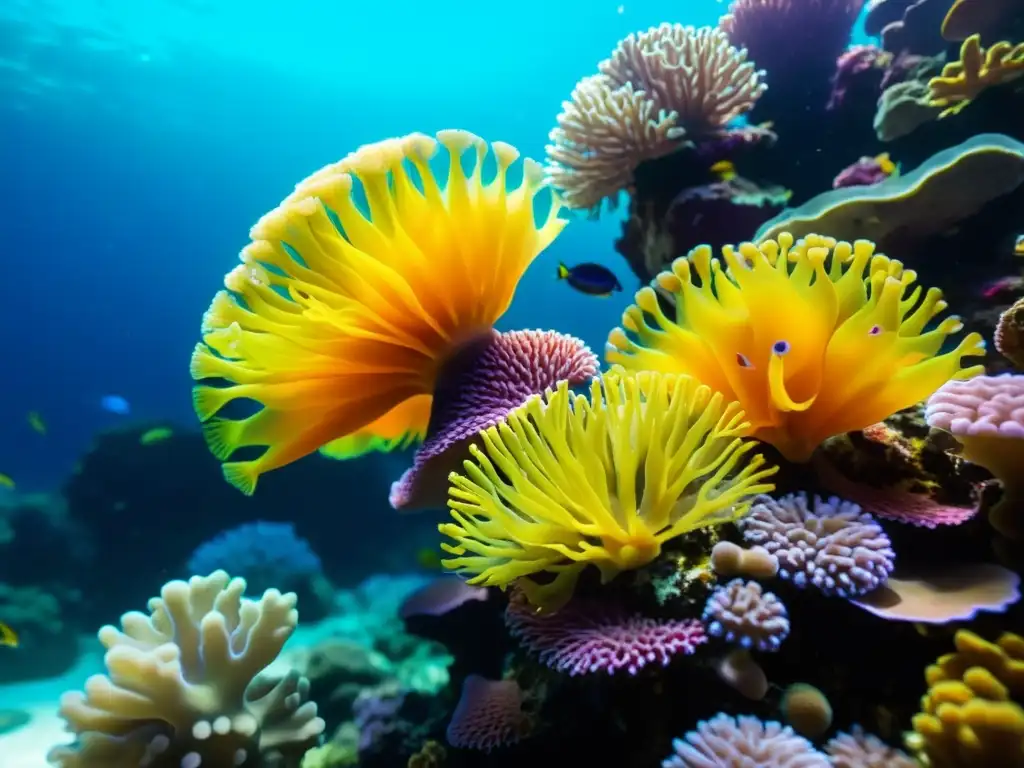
(140, 141)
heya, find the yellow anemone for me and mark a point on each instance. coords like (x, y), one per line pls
(565, 482)
(355, 290)
(813, 339)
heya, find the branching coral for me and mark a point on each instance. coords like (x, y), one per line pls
(742, 612)
(181, 688)
(978, 68)
(658, 87)
(342, 311)
(569, 481)
(972, 715)
(814, 338)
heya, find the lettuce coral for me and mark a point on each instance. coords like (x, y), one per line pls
(181, 688)
(814, 338)
(355, 290)
(569, 481)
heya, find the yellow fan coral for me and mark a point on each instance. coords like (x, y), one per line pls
(566, 482)
(972, 713)
(355, 290)
(814, 339)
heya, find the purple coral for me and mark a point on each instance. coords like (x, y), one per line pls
(859, 72)
(834, 547)
(864, 172)
(744, 742)
(439, 597)
(489, 715)
(585, 636)
(742, 612)
(476, 389)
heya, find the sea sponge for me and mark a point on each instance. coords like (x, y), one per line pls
(832, 545)
(356, 289)
(978, 68)
(586, 636)
(972, 715)
(657, 89)
(986, 416)
(489, 715)
(743, 741)
(476, 389)
(806, 709)
(742, 612)
(813, 338)
(948, 188)
(181, 688)
(568, 481)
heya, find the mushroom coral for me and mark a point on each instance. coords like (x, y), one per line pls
(569, 481)
(353, 293)
(813, 338)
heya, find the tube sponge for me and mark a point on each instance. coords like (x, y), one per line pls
(181, 689)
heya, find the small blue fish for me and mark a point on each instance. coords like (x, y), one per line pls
(591, 279)
(115, 404)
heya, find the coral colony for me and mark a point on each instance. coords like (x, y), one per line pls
(789, 459)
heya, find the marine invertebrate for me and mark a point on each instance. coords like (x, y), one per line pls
(742, 612)
(978, 68)
(181, 687)
(739, 671)
(814, 338)
(658, 89)
(945, 190)
(476, 389)
(831, 545)
(439, 597)
(858, 73)
(489, 714)
(986, 416)
(902, 108)
(341, 314)
(265, 554)
(742, 741)
(865, 171)
(971, 714)
(584, 637)
(858, 749)
(728, 559)
(1009, 334)
(569, 481)
(806, 709)
(958, 593)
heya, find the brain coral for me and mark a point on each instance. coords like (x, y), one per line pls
(569, 481)
(355, 290)
(814, 338)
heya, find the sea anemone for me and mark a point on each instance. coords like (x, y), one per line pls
(813, 338)
(832, 545)
(742, 612)
(353, 293)
(584, 637)
(476, 389)
(569, 481)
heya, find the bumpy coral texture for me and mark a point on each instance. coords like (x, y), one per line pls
(584, 637)
(743, 612)
(1009, 334)
(181, 688)
(972, 713)
(658, 87)
(265, 554)
(743, 742)
(489, 715)
(569, 481)
(831, 544)
(986, 416)
(813, 338)
(354, 290)
(476, 390)
(978, 69)
(858, 749)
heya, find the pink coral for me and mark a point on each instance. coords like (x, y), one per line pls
(864, 172)
(859, 70)
(489, 715)
(585, 636)
(743, 742)
(488, 378)
(439, 597)
(858, 749)
(743, 612)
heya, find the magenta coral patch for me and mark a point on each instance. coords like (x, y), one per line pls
(476, 390)
(586, 636)
(439, 597)
(489, 715)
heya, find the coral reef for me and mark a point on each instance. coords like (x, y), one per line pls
(978, 69)
(742, 612)
(744, 740)
(858, 749)
(489, 714)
